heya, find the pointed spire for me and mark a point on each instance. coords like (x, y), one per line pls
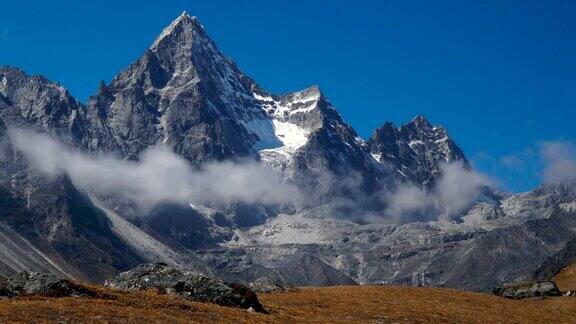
(314, 90)
(184, 18)
(102, 88)
(420, 121)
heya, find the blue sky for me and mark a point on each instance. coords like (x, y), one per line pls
(500, 75)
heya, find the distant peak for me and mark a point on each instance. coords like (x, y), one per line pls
(420, 118)
(388, 125)
(184, 18)
(420, 121)
(312, 92)
(313, 89)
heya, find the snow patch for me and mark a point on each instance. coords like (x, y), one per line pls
(277, 135)
(415, 142)
(298, 102)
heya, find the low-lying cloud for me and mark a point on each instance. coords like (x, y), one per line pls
(559, 159)
(455, 191)
(159, 176)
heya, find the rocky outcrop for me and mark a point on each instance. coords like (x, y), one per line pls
(528, 290)
(30, 283)
(187, 284)
(267, 285)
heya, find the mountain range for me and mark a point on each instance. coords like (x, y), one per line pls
(404, 207)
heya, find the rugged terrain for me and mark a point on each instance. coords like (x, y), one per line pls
(365, 304)
(187, 96)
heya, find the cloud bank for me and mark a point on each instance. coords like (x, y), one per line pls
(159, 176)
(456, 190)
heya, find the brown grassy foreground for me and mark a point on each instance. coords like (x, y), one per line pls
(566, 279)
(331, 304)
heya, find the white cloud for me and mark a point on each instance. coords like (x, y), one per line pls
(408, 199)
(159, 176)
(456, 189)
(559, 159)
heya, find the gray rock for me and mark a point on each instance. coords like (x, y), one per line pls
(50, 215)
(415, 150)
(267, 285)
(528, 290)
(5, 291)
(29, 283)
(187, 284)
(553, 265)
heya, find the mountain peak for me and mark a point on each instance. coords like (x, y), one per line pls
(183, 20)
(313, 91)
(417, 150)
(420, 121)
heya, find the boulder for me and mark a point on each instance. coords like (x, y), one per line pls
(28, 283)
(187, 284)
(528, 290)
(569, 293)
(267, 285)
(5, 291)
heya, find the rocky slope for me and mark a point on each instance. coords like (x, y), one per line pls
(184, 94)
(415, 150)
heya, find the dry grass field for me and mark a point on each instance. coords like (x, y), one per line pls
(363, 304)
(566, 279)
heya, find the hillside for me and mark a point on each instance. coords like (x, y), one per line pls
(328, 304)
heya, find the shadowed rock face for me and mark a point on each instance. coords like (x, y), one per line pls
(553, 265)
(58, 226)
(187, 284)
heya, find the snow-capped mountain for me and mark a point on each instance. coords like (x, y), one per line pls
(185, 94)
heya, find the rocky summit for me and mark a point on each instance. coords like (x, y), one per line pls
(350, 226)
